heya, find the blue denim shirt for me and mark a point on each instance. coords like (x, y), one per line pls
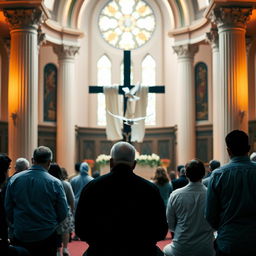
(231, 206)
(35, 204)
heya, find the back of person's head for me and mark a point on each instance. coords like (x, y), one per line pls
(77, 167)
(21, 164)
(214, 164)
(95, 174)
(55, 171)
(195, 170)
(160, 177)
(4, 167)
(84, 168)
(237, 143)
(64, 173)
(123, 153)
(179, 167)
(253, 156)
(182, 171)
(172, 175)
(42, 155)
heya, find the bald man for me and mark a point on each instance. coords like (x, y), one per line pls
(121, 213)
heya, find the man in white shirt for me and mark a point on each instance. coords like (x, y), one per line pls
(193, 236)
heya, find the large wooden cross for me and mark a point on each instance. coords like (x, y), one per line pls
(127, 83)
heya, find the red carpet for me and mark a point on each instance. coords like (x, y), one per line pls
(77, 248)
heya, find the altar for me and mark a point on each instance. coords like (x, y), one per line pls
(144, 171)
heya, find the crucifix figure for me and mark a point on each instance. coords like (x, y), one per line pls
(127, 84)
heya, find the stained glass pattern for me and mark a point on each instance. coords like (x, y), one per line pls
(127, 24)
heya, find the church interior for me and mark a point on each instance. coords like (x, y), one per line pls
(202, 52)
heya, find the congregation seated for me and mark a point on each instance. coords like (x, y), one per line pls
(193, 236)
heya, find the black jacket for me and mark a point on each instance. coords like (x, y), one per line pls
(121, 213)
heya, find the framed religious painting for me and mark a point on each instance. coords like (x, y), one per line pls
(50, 92)
(201, 91)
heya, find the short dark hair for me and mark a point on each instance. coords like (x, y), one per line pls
(42, 155)
(4, 166)
(179, 167)
(56, 171)
(195, 170)
(214, 164)
(237, 142)
(77, 166)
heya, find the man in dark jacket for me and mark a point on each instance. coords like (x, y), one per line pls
(121, 213)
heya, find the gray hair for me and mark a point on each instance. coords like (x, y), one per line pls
(42, 155)
(253, 156)
(21, 164)
(123, 153)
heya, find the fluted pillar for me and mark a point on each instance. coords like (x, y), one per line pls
(231, 22)
(65, 106)
(219, 148)
(186, 103)
(23, 81)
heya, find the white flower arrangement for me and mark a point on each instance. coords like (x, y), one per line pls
(103, 159)
(152, 160)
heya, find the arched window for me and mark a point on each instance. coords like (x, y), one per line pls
(103, 79)
(201, 88)
(149, 78)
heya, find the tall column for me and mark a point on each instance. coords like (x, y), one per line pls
(23, 81)
(65, 104)
(186, 103)
(219, 147)
(231, 22)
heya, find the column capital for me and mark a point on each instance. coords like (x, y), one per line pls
(212, 37)
(231, 16)
(24, 18)
(186, 50)
(66, 51)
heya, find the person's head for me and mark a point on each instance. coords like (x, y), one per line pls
(123, 153)
(5, 162)
(253, 156)
(172, 175)
(42, 156)
(237, 143)
(214, 164)
(21, 164)
(179, 167)
(64, 173)
(55, 171)
(195, 170)
(95, 174)
(160, 176)
(84, 168)
(182, 171)
(77, 167)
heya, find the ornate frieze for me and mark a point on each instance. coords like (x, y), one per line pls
(186, 51)
(231, 16)
(23, 18)
(66, 51)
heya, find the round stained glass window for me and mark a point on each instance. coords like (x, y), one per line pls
(127, 24)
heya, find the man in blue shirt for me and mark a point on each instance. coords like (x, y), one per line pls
(231, 200)
(35, 204)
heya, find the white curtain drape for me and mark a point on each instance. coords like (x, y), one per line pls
(113, 104)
